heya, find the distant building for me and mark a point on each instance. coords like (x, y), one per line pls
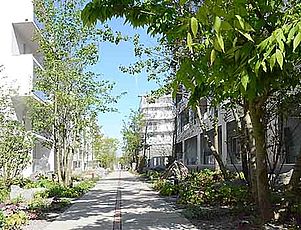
(158, 131)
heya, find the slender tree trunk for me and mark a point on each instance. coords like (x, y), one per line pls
(215, 140)
(257, 113)
(242, 126)
(252, 155)
(57, 152)
(211, 146)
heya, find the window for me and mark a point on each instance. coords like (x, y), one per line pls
(184, 116)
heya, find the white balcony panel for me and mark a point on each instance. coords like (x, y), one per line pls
(20, 70)
(23, 38)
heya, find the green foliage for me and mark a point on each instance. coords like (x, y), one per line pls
(16, 220)
(168, 189)
(4, 194)
(105, 150)
(131, 133)
(2, 219)
(17, 200)
(206, 188)
(76, 94)
(153, 175)
(55, 189)
(15, 141)
(38, 203)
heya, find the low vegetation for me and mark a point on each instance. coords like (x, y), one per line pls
(206, 195)
(56, 197)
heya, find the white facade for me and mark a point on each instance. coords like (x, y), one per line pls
(158, 132)
(83, 158)
(19, 57)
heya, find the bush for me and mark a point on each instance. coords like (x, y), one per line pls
(4, 195)
(17, 200)
(42, 183)
(55, 189)
(16, 220)
(38, 204)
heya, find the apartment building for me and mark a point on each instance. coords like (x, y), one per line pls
(158, 131)
(19, 57)
(192, 148)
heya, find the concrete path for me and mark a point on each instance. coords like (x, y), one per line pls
(120, 201)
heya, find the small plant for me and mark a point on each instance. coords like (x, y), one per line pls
(2, 219)
(38, 204)
(17, 200)
(4, 194)
(16, 220)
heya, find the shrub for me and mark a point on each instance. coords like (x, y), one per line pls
(42, 183)
(57, 190)
(38, 203)
(17, 200)
(4, 194)
(16, 220)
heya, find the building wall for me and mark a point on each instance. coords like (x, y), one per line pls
(158, 131)
(19, 57)
(192, 148)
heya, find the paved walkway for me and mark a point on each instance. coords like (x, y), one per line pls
(120, 201)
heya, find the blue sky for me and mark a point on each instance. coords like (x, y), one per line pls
(111, 57)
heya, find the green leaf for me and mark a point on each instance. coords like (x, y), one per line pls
(273, 61)
(292, 33)
(237, 55)
(246, 35)
(189, 41)
(212, 56)
(257, 66)
(297, 41)
(194, 26)
(245, 80)
(281, 45)
(241, 21)
(225, 26)
(279, 58)
(182, 2)
(262, 45)
(217, 24)
(216, 45)
(221, 42)
(264, 67)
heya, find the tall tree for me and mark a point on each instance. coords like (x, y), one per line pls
(132, 137)
(105, 149)
(16, 143)
(240, 50)
(74, 94)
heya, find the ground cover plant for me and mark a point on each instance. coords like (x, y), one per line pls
(17, 212)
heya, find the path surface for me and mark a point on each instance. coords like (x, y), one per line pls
(120, 201)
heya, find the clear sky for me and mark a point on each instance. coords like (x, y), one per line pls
(111, 57)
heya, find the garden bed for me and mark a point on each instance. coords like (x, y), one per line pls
(49, 200)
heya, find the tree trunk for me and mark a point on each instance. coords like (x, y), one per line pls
(215, 140)
(243, 139)
(257, 113)
(211, 146)
(252, 155)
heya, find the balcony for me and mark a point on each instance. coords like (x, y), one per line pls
(23, 77)
(25, 26)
